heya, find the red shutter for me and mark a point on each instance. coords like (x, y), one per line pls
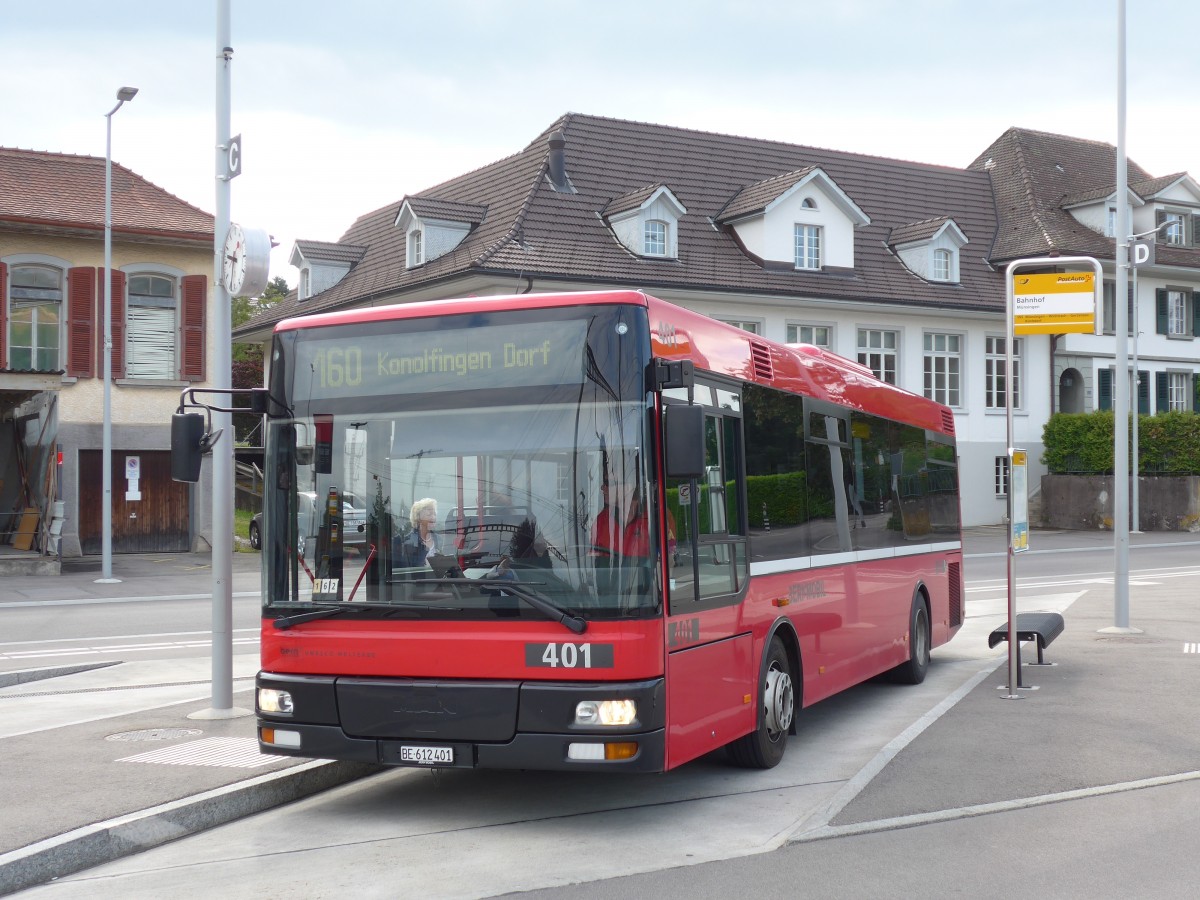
(118, 324)
(3, 315)
(195, 300)
(81, 322)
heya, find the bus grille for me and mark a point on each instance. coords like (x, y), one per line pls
(956, 595)
(948, 421)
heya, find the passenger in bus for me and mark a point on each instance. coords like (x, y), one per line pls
(606, 530)
(420, 543)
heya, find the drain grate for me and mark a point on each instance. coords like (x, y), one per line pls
(221, 752)
(155, 734)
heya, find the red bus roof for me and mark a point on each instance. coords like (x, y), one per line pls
(712, 346)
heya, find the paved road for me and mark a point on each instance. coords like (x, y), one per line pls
(907, 778)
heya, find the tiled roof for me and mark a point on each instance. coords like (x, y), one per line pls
(62, 191)
(327, 251)
(756, 197)
(1035, 174)
(632, 200)
(532, 230)
(437, 208)
(1144, 189)
(917, 231)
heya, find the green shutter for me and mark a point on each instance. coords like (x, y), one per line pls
(1196, 393)
(1143, 393)
(1195, 313)
(1160, 299)
(1104, 389)
(1162, 399)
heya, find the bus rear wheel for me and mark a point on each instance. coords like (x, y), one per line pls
(763, 748)
(913, 670)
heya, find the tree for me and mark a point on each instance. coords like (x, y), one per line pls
(246, 308)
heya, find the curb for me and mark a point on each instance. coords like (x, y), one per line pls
(103, 842)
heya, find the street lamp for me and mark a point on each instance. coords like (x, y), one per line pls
(124, 94)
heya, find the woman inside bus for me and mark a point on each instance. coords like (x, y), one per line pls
(420, 543)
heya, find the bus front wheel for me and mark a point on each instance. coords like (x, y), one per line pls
(763, 748)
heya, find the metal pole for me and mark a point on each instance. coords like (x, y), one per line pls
(1121, 379)
(1014, 670)
(220, 378)
(106, 576)
(1135, 521)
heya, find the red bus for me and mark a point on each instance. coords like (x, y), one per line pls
(593, 531)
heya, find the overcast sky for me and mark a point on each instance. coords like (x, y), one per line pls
(347, 106)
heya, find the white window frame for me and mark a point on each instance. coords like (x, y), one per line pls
(943, 264)
(750, 326)
(35, 304)
(1178, 309)
(656, 238)
(1000, 476)
(806, 333)
(1179, 391)
(416, 247)
(995, 399)
(943, 362)
(1175, 233)
(156, 314)
(305, 289)
(807, 247)
(879, 350)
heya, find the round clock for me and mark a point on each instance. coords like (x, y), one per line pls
(246, 261)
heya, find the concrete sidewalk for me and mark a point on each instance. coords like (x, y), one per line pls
(116, 766)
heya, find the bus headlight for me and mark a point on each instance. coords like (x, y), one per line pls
(277, 703)
(606, 712)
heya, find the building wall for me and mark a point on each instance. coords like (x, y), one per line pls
(141, 411)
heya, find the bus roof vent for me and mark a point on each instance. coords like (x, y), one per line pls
(948, 421)
(760, 355)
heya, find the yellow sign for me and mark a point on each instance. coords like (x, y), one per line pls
(1054, 303)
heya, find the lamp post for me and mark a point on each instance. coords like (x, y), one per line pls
(124, 94)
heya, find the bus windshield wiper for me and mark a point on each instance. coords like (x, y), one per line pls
(326, 610)
(546, 607)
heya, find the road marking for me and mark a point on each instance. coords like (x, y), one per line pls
(1191, 648)
(985, 809)
(221, 752)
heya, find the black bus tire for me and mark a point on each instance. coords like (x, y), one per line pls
(912, 670)
(763, 748)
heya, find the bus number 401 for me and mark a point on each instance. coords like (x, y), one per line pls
(569, 656)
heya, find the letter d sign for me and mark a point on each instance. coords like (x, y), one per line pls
(1142, 253)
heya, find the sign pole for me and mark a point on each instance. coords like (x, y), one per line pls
(1049, 301)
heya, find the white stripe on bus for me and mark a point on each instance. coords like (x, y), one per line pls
(795, 563)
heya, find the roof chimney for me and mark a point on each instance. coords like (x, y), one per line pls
(558, 163)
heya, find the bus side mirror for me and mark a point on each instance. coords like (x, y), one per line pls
(187, 446)
(683, 435)
(260, 401)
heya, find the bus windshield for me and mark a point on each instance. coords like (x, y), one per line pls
(424, 464)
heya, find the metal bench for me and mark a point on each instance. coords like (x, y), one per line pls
(1040, 627)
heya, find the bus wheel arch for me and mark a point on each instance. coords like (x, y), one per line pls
(778, 698)
(920, 640)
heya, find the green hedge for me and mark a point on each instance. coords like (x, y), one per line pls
(1082, 444)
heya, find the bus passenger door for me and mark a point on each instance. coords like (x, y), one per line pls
(710, 666)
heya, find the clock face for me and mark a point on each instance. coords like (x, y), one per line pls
(233, 269)
(245, 261)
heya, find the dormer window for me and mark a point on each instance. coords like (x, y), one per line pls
(416, 250)
(305, 289)
(656, 238)
(800, 220)
(931, 249)
(646, 221)
(808, 246)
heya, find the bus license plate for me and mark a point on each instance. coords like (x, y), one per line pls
(427, 756)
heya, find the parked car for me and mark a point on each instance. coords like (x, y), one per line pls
(308, 521)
